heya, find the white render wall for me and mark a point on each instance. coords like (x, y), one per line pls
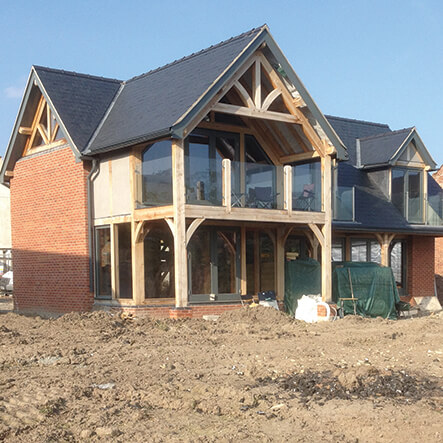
(112, 187)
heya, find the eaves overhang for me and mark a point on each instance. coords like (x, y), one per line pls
(163, 133)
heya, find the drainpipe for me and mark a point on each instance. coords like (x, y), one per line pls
(90, 179)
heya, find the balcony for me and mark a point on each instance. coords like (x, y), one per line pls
(343, 203)
(244, 185)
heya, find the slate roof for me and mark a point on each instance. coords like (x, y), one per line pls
(81, 100)
(150, 104)
(379, 149)
(373, 210)
(349, 130)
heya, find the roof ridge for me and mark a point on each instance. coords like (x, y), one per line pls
(385, 134)
(194, 54)
(77, 74)
(385, 125)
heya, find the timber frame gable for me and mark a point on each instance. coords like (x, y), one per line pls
(265, 59)
(37, 118)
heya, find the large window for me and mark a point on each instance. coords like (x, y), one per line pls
(365, 250)
(214, 264)
(124, 260)
(338, 250)
(103, 262)
(159, 263)
(156, 178)
(204, 152)
(260, 262)
(407, 193)
(397, 262)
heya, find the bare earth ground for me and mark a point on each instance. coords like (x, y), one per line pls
(253, 375)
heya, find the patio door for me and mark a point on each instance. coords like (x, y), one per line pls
(214, 265)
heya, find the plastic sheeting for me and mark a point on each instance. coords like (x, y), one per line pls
(302, 277)
(373, 285)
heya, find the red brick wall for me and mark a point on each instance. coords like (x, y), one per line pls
(50, 234)
(421, 266)
(439, 256)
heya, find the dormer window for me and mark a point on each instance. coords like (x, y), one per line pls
(407, 193)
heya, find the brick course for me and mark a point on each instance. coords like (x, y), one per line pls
(421, 266)
(50, 233)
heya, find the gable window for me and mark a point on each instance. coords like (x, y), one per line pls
(407, 193)
(204, 152)
(156, 180)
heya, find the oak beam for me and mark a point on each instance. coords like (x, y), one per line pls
(192, 228)
(302, 156)
(255, 113)
(270, 99)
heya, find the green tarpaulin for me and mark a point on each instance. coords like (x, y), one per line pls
(373, 285)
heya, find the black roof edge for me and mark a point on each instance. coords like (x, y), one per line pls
(384, 125)
(135, 141)
(78, 74)
(420, 230)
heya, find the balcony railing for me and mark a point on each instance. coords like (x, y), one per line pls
(235, 185)
(434, 210)
(255, 185)
(344, 203)
(153, 190)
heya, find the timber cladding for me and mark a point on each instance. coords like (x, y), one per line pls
(50, 233)
(421, 266)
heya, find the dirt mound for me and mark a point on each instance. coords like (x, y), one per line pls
(359, 383)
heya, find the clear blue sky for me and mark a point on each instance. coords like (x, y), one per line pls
(376, 60)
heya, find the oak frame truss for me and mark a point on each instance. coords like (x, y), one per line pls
(257, 107)
(45, 125)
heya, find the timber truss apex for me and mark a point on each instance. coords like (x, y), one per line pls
(44, 130)
(257, 106)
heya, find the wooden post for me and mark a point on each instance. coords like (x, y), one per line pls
(326, 250)
(288, 187)
(180, 253)
(385, 241)
(243, 265)
(137, 248)
(280, 263)
(226, 197)
(138, 266)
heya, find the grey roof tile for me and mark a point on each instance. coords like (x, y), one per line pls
(379, 149)
(80, 100)
(154, 101)
(349, 130)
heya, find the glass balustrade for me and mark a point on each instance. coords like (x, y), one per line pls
(343, 203)
(434, 209)
(256, 185)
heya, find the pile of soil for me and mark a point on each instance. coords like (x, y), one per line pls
(254, 375)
